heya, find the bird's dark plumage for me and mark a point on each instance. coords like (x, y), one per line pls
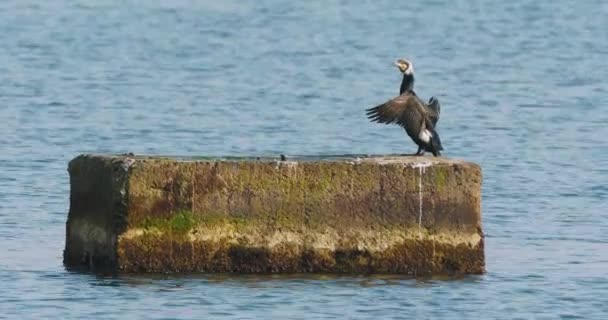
(409, 112)
(433, 109)
(407, 85)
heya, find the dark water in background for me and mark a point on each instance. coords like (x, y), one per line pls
(523, 91)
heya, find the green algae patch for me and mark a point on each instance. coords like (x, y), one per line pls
(440, 178)
(181, 222)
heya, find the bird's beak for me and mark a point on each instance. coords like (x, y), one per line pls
(397, 64)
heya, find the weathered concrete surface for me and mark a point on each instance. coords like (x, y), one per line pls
(402, 215)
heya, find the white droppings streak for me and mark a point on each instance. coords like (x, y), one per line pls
(421, 170)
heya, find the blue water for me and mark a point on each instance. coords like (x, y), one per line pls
(523, 90)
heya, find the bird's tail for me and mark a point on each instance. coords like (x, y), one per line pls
(435, 140)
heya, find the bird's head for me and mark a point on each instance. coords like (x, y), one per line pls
(405, 66)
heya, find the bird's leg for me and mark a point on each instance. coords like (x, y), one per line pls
(420, 152)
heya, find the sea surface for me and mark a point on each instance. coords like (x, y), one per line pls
(524, 93)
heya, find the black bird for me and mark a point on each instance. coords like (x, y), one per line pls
(409, 112)
(407, 84)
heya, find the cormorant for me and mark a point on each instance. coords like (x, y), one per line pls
(407, 84)
(408, 111)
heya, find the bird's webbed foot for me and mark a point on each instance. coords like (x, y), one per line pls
(418, 153)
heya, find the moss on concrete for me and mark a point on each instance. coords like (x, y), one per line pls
(339, 215)
(411, 256)
(180, 223)
(440, 179)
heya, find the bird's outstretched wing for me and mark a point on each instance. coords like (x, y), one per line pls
(405, 110)
(434, 109)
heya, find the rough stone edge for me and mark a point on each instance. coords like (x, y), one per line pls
(92, 246)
